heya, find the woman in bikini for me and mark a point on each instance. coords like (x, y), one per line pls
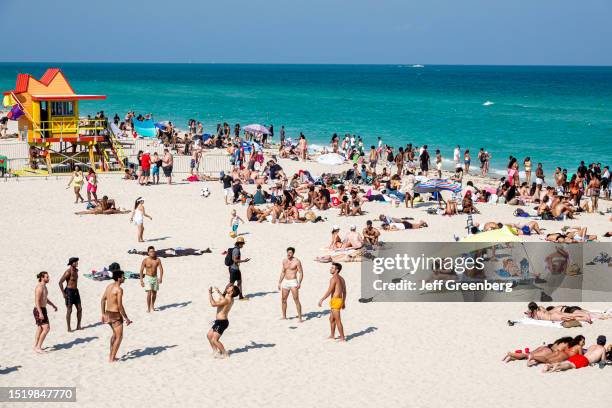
(541, 352)
(76, 182)
(561, 354)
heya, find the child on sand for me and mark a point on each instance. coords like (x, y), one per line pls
(234, 221)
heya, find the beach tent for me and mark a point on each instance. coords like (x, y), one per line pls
(331, 159)
(504, 234)
(437, 185)
(257, 129)
(145, 128)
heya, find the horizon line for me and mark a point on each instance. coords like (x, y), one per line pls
(304, 63)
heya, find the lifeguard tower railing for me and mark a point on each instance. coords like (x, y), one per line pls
(70, 130)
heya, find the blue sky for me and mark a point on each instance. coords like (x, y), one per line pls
(548, 32)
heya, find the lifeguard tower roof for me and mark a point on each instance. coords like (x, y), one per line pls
(52, 86)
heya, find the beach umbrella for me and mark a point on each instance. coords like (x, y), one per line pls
(258, 129)
(437, 185)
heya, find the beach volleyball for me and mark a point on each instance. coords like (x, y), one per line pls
(232, 234)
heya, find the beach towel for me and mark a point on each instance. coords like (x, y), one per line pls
(173, 252)
(533, 322)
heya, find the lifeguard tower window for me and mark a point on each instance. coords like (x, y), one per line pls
(62, 109)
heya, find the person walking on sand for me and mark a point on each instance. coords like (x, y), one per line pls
(71, 291)
(92, 186)
(76, 182)
(234, 222)
(113, 312)
(290, 280)
(223, 305)
(40, 311)
(337, 290)
(235, 275)
(149, 280)
(138, 215)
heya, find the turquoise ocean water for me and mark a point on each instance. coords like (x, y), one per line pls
(556, 115)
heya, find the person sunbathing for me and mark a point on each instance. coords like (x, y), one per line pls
(356, 255)
(562, 353)
(562, 208)
(540, 352)
(594, 354)
(353, 239)
(404, 225)
(468, 204)
(526, 229)
(253, 213)
(562, 313)
(370, 234)
(104, 206)
(291, 214)
(570, 235)
(336, 241)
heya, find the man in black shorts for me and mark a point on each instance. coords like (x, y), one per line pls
(235, 276)
(223, 305)
(71, 291)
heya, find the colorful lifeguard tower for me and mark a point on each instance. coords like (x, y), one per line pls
(52, 128)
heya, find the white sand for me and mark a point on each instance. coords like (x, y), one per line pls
(398, 354)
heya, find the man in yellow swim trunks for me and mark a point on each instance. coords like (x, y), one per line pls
(150, 281)
(337, 290)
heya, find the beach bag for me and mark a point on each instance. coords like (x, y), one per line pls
(228, 257)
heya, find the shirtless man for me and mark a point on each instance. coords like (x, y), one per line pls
(353, 239)
(150, 281)
(113, 312)
(223, 305)
(337, 290)
(167, 163)
(71, 291)
(40, 311)
(594, 189)
(290, 280)
(370, 234)
(594, 354)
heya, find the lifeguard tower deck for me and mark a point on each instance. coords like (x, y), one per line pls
(58, 138)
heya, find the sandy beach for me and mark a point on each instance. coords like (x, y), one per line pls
(397, 354)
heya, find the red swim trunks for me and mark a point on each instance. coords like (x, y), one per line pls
(579, 360)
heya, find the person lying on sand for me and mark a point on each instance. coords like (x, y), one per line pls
(104, 206)
(526, 229)
(540, 352)
(562, 353)
(594, 354)
(404, 225)
(570, 235)
(562, 313)
(348, 256)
